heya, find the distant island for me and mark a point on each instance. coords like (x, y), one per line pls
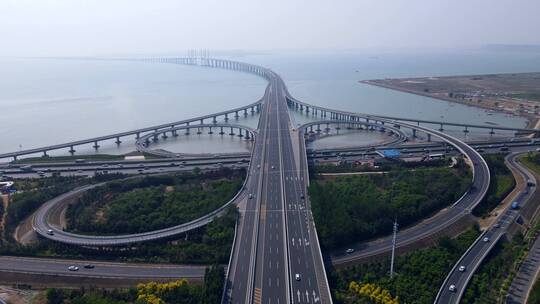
(516, 93)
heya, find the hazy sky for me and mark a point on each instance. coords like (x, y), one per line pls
(98, 27)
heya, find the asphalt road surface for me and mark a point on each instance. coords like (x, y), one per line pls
(456, 282)
(273, 260)
(101, 270)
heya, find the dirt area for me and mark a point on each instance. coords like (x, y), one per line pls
(18, 296)
(5, 203)
(511, 93)
(494, 214)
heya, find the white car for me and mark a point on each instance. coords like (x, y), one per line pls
(462, 268)
(297, 277)
(452, 288)
(50, 232)
(350, 250)
(73, 268)
(486, 239)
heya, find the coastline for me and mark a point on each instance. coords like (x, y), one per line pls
(533, 121)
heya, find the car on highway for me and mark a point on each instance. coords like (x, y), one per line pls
(250, 195)
(50, 232)
(486, 239)
(462, 268)
(515, 205)
(73, 268)
(452, 288)
(297, 277)
(89, 266)
(272, 167)
(497, 225)
(350, 250)
(530, 183)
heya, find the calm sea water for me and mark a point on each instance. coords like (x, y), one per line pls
(47, 101)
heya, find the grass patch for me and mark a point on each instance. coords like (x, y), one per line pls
(531, 161)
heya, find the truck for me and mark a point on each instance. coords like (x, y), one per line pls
(530, 183)
(515, 205)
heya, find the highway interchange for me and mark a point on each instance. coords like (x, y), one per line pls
(276, 257)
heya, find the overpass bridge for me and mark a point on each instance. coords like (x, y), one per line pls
(328, 113)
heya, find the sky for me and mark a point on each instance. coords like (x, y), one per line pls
(105, 27)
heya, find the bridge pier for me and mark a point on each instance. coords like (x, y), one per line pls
(187, 131)
(327, 129)
(214, 120)
(311, 129)
(202, 121)
(429, 137)
(71, 150)
(466, 130)
(247, 137)
(236, 114)
(210, 131)
(15, 158)
(199, 131)
(258, 108)
(252, 110)
(318, 128)
(164, 135)
(491, 131)
(45, 154)
(96, 146)
(118, 141)
(138, 135)
(240, 131)
(226, 117)
(245, 112)
(414, 133)
(221, 131)
(441, 128)
(155, 137)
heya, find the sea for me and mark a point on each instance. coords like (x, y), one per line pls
(45, 101)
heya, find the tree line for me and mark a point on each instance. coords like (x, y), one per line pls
(357, 208)
(150, 203)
